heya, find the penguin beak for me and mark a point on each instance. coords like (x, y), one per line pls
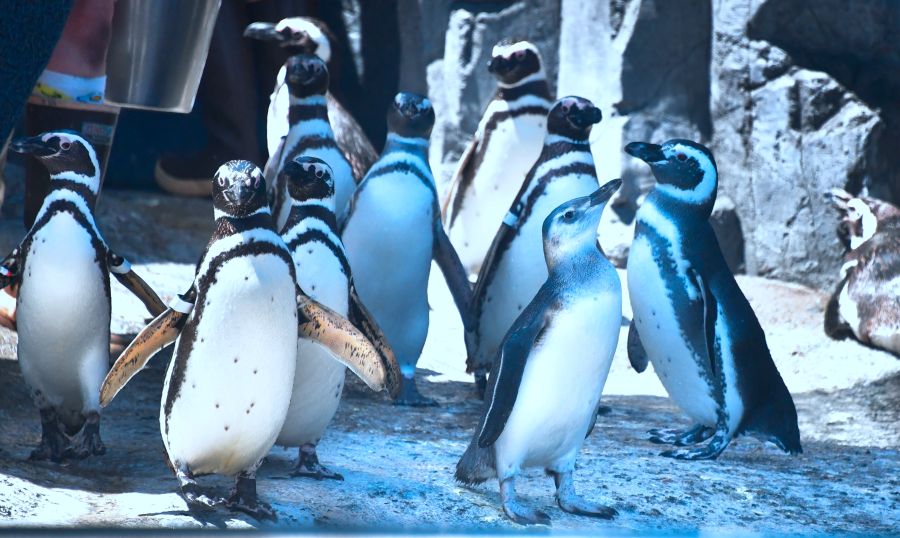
(649, 153)
(604, 193)
(34, 145)
(498, 65)
(587, 116)
(239, 193)
(263, 31)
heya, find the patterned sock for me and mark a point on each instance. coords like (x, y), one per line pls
(71, 88)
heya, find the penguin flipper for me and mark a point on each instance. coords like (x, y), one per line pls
(459, 183)
(508, 370)
(454, 273)
(161, 332)
(346, 343)
(835, 326)
(710, 314)
(637, 355)
(123, 272)
(364, 321)
(351, 139)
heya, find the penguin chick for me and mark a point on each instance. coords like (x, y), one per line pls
(692, 321)
(546, 383)
(62, 268)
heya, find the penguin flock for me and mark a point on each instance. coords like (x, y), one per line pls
(320, 263)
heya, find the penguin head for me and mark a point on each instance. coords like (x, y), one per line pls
(296, 35)
(684, 170)
(306, 75)
(239, 189)
(411, 115)
(861, 217)
(573, 117)
(572, 227)
(514, 60)
(65, 154)
(309, 178)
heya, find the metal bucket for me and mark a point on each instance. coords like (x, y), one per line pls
(157, 52)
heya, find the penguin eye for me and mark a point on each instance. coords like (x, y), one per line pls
(519, 54)
(319, 172)
(681, 157)
(221, 181)
(65, 146)
(569, 215)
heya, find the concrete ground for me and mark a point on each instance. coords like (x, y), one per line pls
(398, 462)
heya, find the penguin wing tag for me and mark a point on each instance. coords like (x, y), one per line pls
(363, 320)
(454, 273)
(123, 272)
(161, 332)
(637, 355)
(710, 314)
(345, 342)
(9, 268)
(510, 366)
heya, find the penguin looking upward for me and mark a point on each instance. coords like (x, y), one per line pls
(514, 270)
(228, 385)
(865, 305)
(547, 380)
(392, 233)
(310, 134)
(62, 269)
(311, 235)
(691, 319)
(506, 145)
(305, 35)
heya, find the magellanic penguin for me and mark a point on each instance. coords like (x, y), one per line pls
(228, 385)
(865, 304)
(392, 233)
(691, 319)
(546, 383)
(304, 35)
(62, 269)
(323, 273)
(310, 134)
(508, 141)
(514, 270)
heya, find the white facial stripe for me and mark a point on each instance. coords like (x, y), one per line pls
(537, 75)
(555, 138)
(704, 190)
(649, 215)
(528, 100)
(225, 244)
(77, 200)
(312, 100)
(868, 225)
(218, 213)
(507, 50)
(300, 24)
(91, 182)
(417, 141)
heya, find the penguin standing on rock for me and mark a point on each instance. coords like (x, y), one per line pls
(506, 145)
(62, 268)
(865, 304)
(514, 270)
(691, 319)
(392, 233)
(547, 380)
(305, 35)
(310, 134)
(228, 385)
(323, 273)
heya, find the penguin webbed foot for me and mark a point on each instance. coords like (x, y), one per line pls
(199, 499)
(243, 499)
(572, 503)
(308, 466)
(88, 441)
(516, 511)
(691, 436)
(54, 443)
(410, 395)
(710, 451)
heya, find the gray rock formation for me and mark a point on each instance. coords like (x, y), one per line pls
(794, 97)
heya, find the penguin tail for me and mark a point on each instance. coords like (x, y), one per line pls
(476, 465)
(777, 422)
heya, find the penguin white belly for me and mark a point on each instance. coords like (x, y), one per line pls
(522, 269)
(657, 324)
(512, 150)
(389, 242)
(319, 379)
(561, 386)
(63, 318)
(236, 386)
(277, 118)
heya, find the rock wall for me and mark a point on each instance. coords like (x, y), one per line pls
(793, 96)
